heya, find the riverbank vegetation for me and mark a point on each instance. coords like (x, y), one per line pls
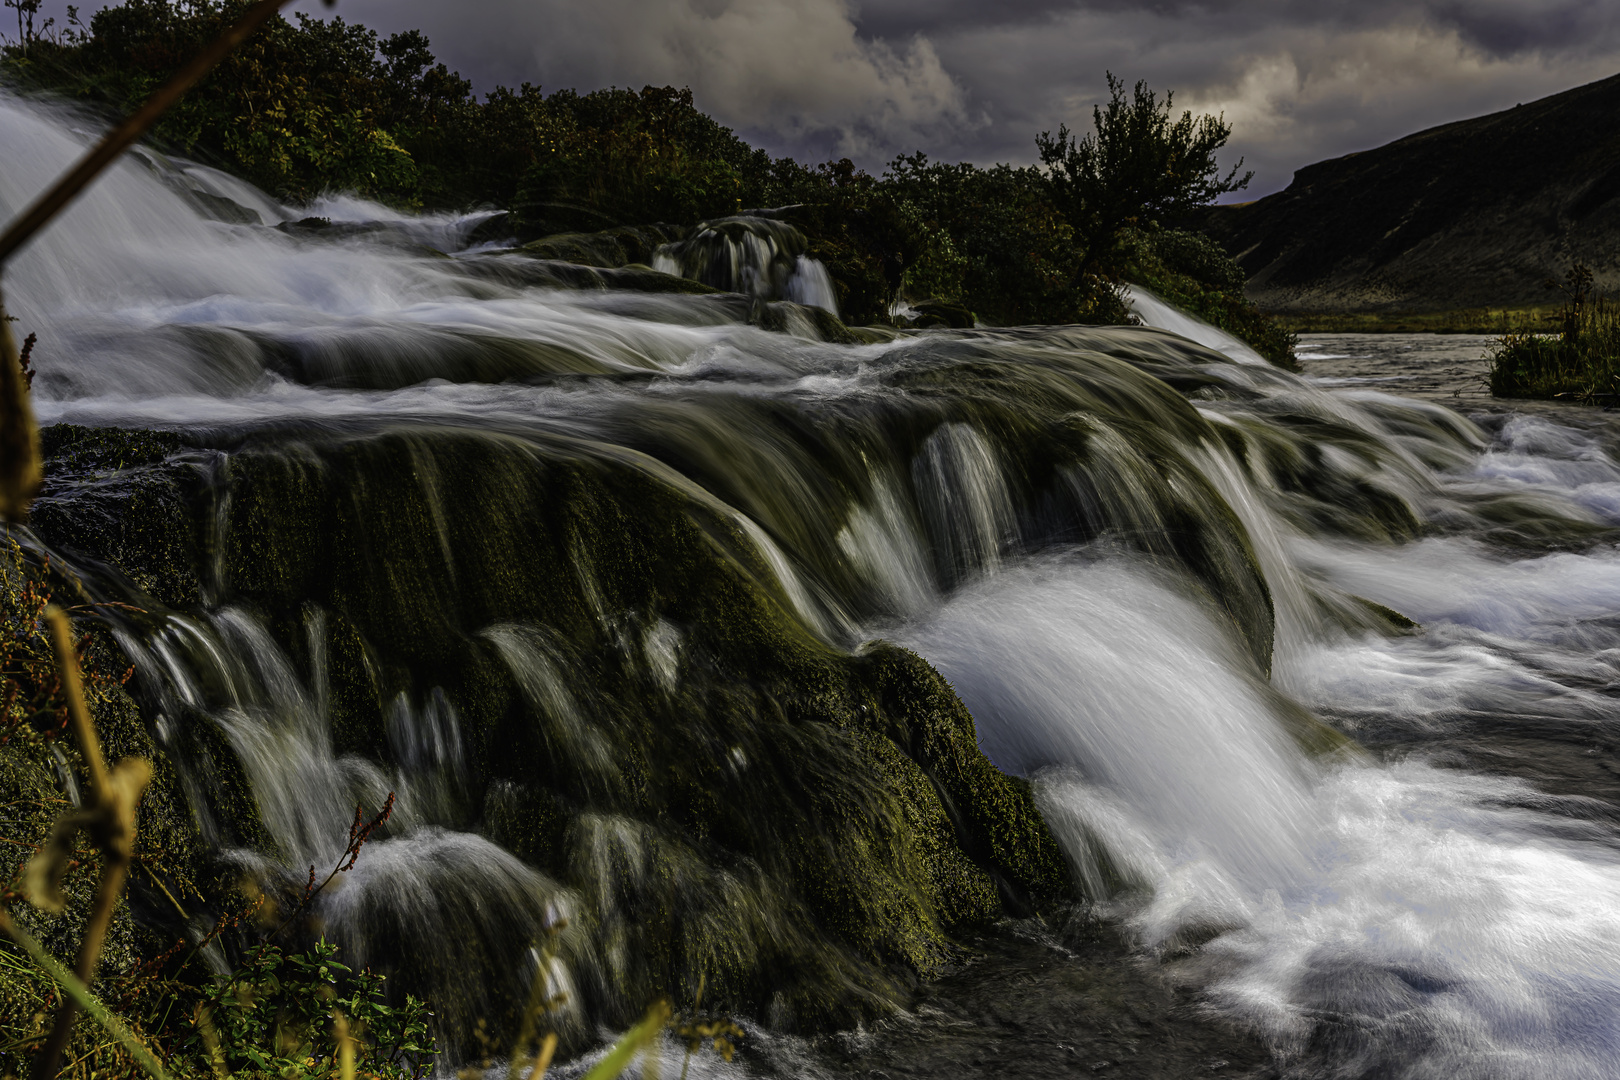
(312, 105)
(1478, 320)
(1576, 357)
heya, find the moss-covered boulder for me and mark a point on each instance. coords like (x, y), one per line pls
(611, 248)
(645, 718)
(841, 800)
(126, 500)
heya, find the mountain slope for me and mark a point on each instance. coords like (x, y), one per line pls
(1477, 212)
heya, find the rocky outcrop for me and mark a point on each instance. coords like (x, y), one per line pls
(1474, 213)
(838, 800)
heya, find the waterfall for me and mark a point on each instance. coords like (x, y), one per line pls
(599, 584)
(1153, 310)
(751, 254)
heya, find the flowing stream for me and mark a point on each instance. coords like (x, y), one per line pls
(1316, 684)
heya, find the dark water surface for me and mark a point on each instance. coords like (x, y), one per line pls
(1445, 368)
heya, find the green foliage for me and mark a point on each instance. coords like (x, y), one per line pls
(1580, 360)
(296, 110)
(1140, 165)
(859, 228)
(616, 156)
(273, 1016)
(1010, 247)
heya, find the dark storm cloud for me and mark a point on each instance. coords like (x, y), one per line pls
(1300, 80)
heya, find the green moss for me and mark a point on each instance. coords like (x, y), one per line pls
(1388, 616)
(355, 701)
(852, 841)
(785, 317)
(611, 248)
(993, 815)
(941, 313)
(120, 498)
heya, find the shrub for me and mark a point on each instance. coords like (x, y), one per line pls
(1580, 360)
(273, 1016)
(1139, 165)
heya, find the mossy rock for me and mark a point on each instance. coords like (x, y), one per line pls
(817, 324)
(608, 249)
(843, 795)
(933, 313)
(634, 277)
(124, 500)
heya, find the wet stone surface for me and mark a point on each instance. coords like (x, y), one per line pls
(1042, 1003)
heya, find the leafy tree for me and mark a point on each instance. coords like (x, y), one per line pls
(1142, 164)
(618, 156)
(1014, 249)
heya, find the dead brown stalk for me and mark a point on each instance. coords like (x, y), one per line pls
(108, 815)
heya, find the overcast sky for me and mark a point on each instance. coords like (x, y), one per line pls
(1300, 80)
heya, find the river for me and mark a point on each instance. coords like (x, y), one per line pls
(1313, 676)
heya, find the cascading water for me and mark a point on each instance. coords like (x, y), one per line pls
(1152, 310)
(457, 517)
(752, 254)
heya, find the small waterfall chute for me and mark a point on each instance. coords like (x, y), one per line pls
(758, 256)
(1153, 310)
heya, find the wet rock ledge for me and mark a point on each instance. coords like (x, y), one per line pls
(806, 830)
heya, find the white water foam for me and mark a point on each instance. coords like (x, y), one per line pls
(1105, 671)
(1153, 311)
(1396, 919)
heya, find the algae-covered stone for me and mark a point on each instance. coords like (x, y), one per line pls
(932, 313)
(611, 248)
(125, 500)
(635, 690)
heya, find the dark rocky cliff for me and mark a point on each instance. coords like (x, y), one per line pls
(1478, 212)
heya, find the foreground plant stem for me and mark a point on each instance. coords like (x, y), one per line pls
(109, 817)
(134, 126)
(76, 990)
(20, 466)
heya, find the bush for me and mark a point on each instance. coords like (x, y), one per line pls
(1013, 249)
(1580, 360)
(616, 157)
(273, 1016)
(1139, 165)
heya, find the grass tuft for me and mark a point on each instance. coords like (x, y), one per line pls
(1579, 361)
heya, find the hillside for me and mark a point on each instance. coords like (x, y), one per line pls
(1477, 212)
